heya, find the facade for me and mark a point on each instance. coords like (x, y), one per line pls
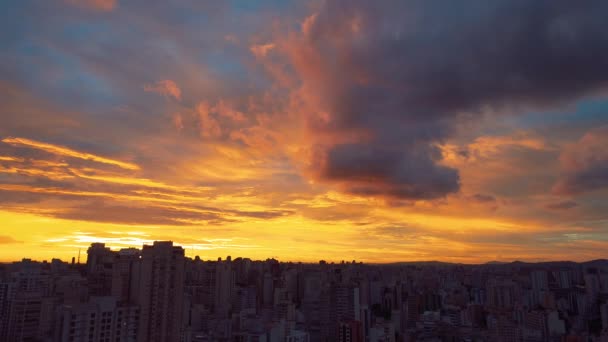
(350, 331)
(125, 275)
(100, 319)
(161, 289)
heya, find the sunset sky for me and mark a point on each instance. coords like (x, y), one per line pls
(378, 131)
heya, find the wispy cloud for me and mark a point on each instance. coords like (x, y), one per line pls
(97, 5)
(165, 87)
(67, 152)
(4, 239)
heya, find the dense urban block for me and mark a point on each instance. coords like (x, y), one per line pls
(158, 294)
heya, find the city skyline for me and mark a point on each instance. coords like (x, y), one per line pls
(305, 130)
(80, 258)
(155, 293)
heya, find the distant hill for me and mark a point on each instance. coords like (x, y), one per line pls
(516, 263)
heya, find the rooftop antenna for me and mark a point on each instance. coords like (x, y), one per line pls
(79, 256)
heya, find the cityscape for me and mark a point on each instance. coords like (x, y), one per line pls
(157, 294)
(304, 171)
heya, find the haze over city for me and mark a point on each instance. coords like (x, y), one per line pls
(376, 131)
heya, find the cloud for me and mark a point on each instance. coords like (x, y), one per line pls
(66, 190)
(488, 146)
(562, 205)
(67, 152)
(382, 83)
(166, 88)
(4, 239)
(209, 124)
(482, 198)
(178, 121)
(10, 158)
(99, 211)
(354, 114)
(398, 231)
(130, 206)
(97, 5)
(584, 164)
(227, 110)
(261, 50)
(375, 171)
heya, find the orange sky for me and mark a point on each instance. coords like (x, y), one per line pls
(113, 202)
(301, 131)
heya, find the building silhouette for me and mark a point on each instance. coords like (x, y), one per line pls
(161, 290)
(158, 294)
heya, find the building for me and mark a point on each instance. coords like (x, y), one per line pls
(161, 288)
(350, 331)
(224, 286)
(25, 298)
(125, 275)
(100, 319)
(6, 295)
(99, 269)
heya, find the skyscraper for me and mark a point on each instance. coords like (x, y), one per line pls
(99, 319)
(161, 289)
(350, 331)
(6, 295)
(224, 285)
(125, 275)
(99, 269)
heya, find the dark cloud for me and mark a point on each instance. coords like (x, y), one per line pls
(482, 198)
(391, 79)
(562, 205)
(585, 164)
(372, 170)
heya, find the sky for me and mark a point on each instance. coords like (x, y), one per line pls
(376, 131)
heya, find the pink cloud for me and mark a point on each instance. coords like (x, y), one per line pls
(261, 50)
(97, 5)
(209, 126)
(166, 88)
(585, 164)
(227, 110)
(178, 121)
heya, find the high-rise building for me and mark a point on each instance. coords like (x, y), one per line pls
(125, 275)
(100, 319)
(501, 294)
(350, 331)
(267, 290)
(157, 294)
(245, 298)
(592, 284)
(224, 286)
(99, 269)
(539, 280)
(283, 307)
(564, 279)
(29, 287)
(161, 288)
(24, 317)
(99, 257)
(6, 295)
(297, 336)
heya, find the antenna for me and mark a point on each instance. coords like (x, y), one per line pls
(79, 256)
